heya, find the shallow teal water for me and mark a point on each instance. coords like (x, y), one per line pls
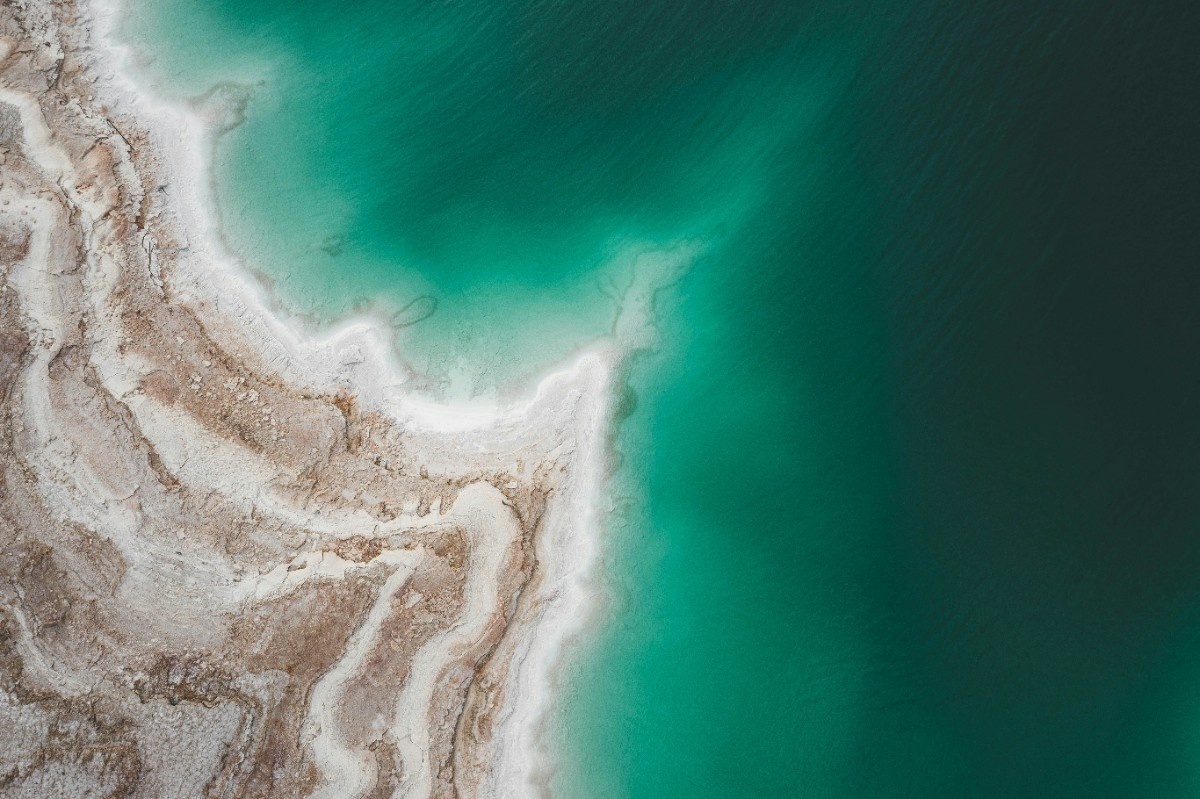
(504, 160)
(909, 497)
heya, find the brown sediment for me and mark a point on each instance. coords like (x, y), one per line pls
(218, 580)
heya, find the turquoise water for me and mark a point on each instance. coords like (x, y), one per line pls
(497, 159)
(908, 497)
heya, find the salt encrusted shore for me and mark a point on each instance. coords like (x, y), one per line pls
(237, 560)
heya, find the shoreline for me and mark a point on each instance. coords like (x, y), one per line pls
(534, 598)
(371, 334)
(199, 122)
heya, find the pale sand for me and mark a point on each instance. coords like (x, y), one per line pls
(238, 559)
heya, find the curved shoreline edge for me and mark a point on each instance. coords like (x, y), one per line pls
(240, 560)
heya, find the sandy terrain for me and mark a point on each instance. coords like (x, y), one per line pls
(236, 561)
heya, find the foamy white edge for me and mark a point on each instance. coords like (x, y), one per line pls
(358, 353)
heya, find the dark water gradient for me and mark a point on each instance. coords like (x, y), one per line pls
(1046, 379)
(933, 530)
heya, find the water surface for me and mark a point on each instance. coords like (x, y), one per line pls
(908, 502)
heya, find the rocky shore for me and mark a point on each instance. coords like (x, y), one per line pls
(236, 561)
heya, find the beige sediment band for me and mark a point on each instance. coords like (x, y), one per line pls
(237, 560)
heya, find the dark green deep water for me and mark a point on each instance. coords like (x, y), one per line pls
(909, 502)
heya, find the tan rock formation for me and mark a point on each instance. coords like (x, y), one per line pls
(234, 563)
